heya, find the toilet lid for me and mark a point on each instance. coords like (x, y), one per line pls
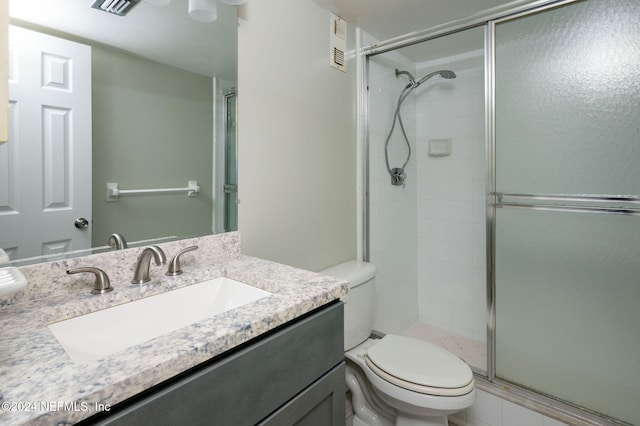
(419, 366)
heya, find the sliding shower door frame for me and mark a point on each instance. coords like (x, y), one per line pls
(547, 405)
(488, 19)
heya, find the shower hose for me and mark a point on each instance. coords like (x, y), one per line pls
(397, 173)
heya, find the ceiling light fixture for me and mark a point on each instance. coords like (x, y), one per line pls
(203, 10)
(116, 7)
(199, 10)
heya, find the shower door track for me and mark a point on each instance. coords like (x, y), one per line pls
(543, 404)
(509, 11)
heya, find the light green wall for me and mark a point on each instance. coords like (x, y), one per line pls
(296, 137)
(152, 128)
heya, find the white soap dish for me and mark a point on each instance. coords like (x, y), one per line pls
(4, 257)
(11, 281)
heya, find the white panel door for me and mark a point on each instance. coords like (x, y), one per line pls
(45, 168)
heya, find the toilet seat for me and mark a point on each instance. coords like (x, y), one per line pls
(419, 366)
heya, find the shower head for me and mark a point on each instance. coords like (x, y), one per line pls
(442, 73)
(447, 74)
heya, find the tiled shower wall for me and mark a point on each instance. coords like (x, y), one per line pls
(451, 198)
(392, 209)
(428, 238)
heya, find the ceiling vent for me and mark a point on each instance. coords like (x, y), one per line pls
(338, 43)
(116, 7)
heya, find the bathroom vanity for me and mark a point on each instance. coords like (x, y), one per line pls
(276, 360)
(294, 375)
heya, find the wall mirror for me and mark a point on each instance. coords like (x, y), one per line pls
(162, 114)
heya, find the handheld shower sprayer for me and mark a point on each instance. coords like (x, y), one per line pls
(447, 74)
(398, 174)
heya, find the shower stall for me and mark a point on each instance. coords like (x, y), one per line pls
(511, 234)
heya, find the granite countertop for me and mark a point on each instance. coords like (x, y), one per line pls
(40, 384)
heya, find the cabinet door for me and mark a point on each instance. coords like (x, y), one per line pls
(322, 404)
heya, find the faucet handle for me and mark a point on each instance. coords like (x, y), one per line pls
(102, 284)
(174, 264)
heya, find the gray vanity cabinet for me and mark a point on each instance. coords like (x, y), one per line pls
(293, 375)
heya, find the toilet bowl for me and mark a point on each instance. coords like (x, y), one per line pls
(396, 380)
(419, 383)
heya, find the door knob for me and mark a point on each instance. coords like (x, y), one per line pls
(81, 223)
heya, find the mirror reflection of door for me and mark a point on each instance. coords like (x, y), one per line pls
(231, 163)
(45, 168)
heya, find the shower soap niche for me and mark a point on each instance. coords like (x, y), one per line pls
(439, 147)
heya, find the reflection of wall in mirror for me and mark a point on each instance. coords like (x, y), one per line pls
(152, 128)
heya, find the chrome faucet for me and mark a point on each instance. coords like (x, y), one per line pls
(117, 242)
(141, 274)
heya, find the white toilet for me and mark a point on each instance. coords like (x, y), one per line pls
(396, 380)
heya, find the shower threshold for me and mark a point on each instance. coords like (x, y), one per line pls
(471, 351)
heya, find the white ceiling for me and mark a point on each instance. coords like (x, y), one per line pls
(163, 34)
(385, 19)
(167, 35)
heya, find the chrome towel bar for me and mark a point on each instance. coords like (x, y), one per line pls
(113, 191)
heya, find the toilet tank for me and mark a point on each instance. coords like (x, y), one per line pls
(358, 308)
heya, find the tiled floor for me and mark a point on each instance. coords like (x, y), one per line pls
(472, 352)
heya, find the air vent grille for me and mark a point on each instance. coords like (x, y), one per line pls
(338, 57)
(116, 7)
(338, 43)
(340, 28)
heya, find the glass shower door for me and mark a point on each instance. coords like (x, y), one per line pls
(567, 198)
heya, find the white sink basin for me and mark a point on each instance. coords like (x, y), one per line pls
(93, 336)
